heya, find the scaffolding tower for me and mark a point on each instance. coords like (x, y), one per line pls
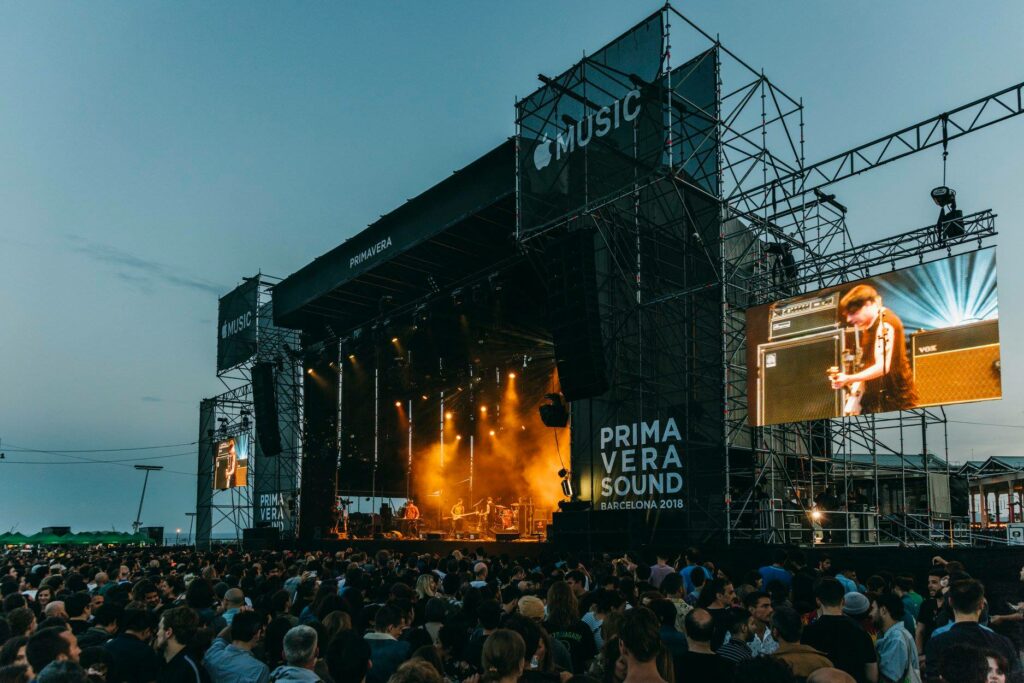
(270, 496)
(719, 212)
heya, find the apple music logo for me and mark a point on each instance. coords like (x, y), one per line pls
(580, 134)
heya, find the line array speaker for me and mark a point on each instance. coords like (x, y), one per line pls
(573, 315)
(264, 401)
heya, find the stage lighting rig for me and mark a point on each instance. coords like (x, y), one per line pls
(951, 221)
(555, 413)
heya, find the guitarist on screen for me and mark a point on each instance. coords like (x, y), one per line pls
(883, 381)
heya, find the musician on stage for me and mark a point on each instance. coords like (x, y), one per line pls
(883, 381)
(489, 514)
(409, 516)
(458, 510)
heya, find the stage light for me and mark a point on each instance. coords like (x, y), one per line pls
(951, 222)
(394, 340)
(398, 404)
(511, 375)
(555, 413)
(483, 409)
(816, 515)
(424, 397)
(351, 356)
(944, 196)
(492, 432)
(458, 437)
(448, 416)
(310, 371)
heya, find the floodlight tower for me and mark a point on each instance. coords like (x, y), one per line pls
(147, 469)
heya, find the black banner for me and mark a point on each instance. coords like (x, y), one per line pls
(640, 466)
(236, 325)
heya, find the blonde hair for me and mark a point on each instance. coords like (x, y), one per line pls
(423, 586)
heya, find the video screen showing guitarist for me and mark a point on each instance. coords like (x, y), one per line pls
(880, 379)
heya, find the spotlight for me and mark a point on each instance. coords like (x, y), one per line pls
(309, 371)
(555, 413)
(483, 409)
(492, 432)
(424, 397)
(951, 221)
(398, 404)
(351, 356)
(394, 340)
(511, 375)
(944, 196)
(448, 416)
(816, 515)
(458, 437)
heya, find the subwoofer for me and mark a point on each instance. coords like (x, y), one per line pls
(957, 364)
(792, 382)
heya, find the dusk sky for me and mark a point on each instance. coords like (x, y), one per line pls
(152, 154)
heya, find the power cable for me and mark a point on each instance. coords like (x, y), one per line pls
(26, 449)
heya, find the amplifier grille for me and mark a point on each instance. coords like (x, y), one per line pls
(793, 382)
(958, 376)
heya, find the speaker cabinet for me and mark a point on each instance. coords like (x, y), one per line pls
(264, 403)
(506, 536)
(260, 538)
(957, 364)
(793, 383)
(573, 315)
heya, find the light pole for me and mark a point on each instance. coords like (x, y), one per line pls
(177, 537)
(147, 469)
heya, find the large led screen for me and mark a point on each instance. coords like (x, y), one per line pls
(921, 336)
(231, 465)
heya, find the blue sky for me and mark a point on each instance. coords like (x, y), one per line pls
(152, 154)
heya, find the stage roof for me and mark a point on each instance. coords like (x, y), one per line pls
(461, 226)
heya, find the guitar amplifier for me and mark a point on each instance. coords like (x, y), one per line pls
(803, 317)
(957, 364)
(792, 382)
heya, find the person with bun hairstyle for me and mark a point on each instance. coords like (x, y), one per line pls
(504, 657)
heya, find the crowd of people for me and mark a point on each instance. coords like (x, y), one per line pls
(133, 615)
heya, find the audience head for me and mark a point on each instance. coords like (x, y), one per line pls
(300, 646)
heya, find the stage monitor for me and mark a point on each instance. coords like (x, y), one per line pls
(922, 336)
(231, 464)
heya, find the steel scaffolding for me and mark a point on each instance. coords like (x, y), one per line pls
(732, 217)
(231, 413)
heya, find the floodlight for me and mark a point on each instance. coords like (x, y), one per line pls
(944, 196)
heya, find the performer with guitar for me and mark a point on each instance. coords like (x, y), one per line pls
(458, 512)
(881, 380)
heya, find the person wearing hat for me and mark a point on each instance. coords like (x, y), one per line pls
(838, 636)
(531, 607)
(857, 606)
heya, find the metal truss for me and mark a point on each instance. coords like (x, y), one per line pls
(232, 412)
